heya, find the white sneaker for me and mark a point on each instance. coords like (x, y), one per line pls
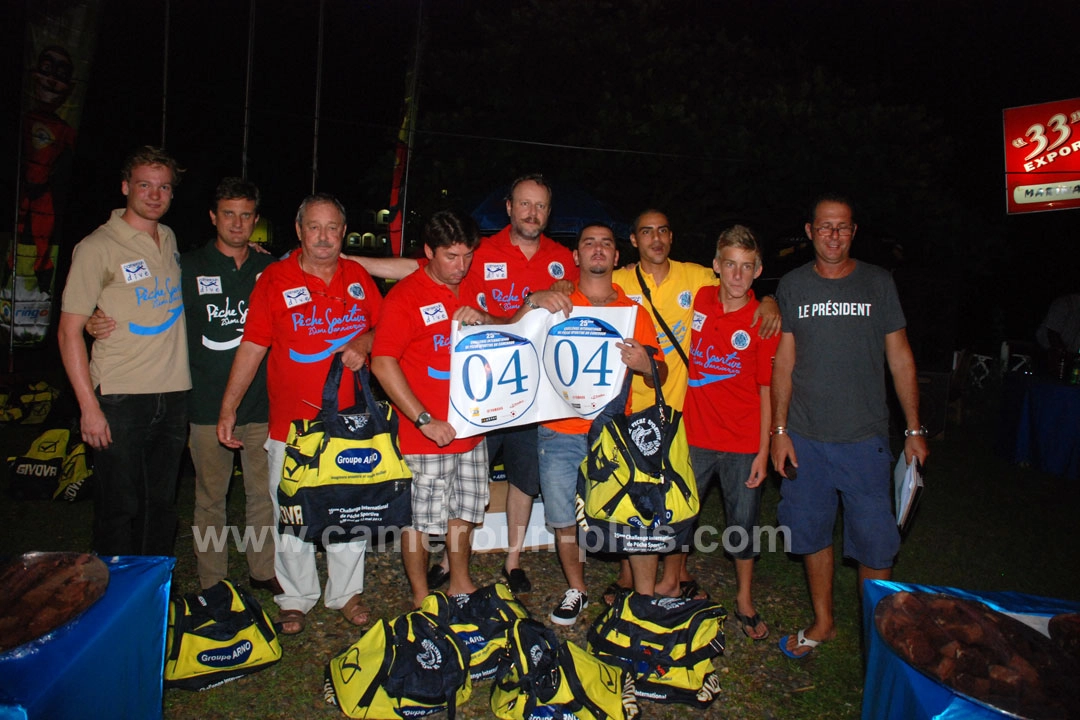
(573, 602)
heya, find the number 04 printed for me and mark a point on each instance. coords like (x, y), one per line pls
(543, 367)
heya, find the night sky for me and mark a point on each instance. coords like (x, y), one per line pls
(955, 65)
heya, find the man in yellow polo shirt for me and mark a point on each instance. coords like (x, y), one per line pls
(666, 289)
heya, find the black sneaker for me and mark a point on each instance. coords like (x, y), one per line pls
(573, 602)
(517, 580)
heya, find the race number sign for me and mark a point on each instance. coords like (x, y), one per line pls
(543, 367)
(1042, 156)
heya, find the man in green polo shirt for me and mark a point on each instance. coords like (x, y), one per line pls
(216, 282)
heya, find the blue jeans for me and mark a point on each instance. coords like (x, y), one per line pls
(560, 457)
(135, 477)
(741, 504)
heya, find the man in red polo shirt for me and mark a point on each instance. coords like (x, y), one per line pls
(303, 310)
(506, 268)
(411, 357)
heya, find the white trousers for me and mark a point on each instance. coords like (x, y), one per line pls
(294, 561)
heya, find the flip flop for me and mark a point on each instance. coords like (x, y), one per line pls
(355, 611)
(749, 622)
(612, 593)
(690, 590)
(291, 617)
(802, 641)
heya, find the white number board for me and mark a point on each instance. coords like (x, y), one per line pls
(543, 367)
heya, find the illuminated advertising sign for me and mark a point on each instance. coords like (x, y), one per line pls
(1042, 156)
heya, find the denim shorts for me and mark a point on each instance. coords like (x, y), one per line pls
(857, 474)
(560, 456)
(741, 504)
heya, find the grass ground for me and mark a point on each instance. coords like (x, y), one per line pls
(983, 524)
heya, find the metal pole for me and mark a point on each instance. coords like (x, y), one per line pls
(165, 74)
(247, 90)
(414, 111)
(318, 100)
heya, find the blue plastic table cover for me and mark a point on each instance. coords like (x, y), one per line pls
(107, 663)
(894, 689)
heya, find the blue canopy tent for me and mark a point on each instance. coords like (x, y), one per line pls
(571, 210)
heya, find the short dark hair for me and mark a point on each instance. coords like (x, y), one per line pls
(150, 155)
(315, 200)
(450, 227)
(599, 224)
(643, 213)
(234, 188)
(531, 177)
(833, 197)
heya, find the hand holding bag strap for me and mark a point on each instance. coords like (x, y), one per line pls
(660, 318)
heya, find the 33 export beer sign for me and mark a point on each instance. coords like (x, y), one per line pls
(1042, 156)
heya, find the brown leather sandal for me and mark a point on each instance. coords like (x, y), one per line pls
(355, 611)
(290, 618)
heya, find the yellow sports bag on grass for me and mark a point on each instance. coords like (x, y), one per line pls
(482, 620)
(636, 491)
(668, 644)
(217, 635)
(539, 677)
(344, 476)
(411, 666)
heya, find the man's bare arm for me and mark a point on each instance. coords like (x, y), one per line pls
(387, 268)
(245, 365)
(906, 382)
(780, 394)
(92, 423)
(393, 382)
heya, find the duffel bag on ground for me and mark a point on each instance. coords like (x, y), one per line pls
(539, 677)
(482, 620)
(667, 643)
(217, 635)
(411, 666)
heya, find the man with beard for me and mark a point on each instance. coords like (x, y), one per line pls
(563, 444)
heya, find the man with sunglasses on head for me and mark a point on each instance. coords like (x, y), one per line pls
(842, 325)
(303, 310)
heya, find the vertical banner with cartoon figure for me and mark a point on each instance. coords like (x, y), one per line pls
(543, 367)
(60, 40)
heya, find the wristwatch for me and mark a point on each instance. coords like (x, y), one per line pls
(422, 419)
(921, 432)
(528, 301)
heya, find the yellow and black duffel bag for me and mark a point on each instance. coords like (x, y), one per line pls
(217, 635)
(636, 491)
(411, 666)
(482, 620)
(539, 677)
(344, 477)
(667, 643)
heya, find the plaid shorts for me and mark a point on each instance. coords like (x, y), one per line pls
(445, 487)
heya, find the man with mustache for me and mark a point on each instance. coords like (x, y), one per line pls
(303, 310)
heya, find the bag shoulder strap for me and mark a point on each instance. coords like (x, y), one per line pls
(660, 318)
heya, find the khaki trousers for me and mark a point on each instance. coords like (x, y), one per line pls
(213, 473)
